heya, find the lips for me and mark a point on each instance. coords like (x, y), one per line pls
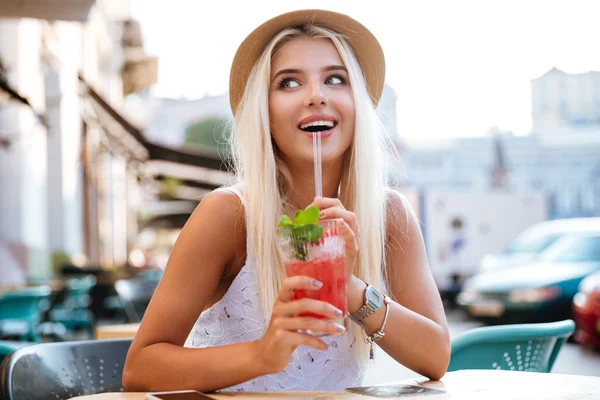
(323, 123)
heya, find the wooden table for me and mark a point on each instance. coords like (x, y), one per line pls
(464, 385)
(117, 331)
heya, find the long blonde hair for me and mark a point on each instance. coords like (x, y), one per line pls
(266, 180)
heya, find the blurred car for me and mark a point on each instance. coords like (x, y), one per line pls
(540, 291)
(535, 239)
(586, 311)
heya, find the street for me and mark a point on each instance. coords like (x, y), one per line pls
(572, 359)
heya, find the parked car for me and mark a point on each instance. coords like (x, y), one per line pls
(535, 239)
(586, 311)
(540, 291)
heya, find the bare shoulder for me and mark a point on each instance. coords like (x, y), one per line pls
(207, 246)
(399, 213)
(221, 206)
(215, 231)
(222, 214)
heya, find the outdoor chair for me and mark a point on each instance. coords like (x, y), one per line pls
(7, 347)
(62, 370)
(520, 347)
(134, 296)
(21, 311)
(74, 311)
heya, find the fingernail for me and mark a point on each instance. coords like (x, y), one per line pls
(317, 283)
(337, 312)
(321, 214)
(340, 328)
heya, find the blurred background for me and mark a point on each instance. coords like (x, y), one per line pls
(113, 117)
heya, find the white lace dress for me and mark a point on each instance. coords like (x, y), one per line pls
(236, 319)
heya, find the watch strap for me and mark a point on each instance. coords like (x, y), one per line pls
(362, 312)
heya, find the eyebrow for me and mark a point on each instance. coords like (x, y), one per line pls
(297, 71)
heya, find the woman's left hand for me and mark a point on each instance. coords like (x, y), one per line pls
(348, 227)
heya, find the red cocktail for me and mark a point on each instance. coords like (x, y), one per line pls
(322, 259)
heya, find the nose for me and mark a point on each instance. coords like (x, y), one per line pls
(315, 96)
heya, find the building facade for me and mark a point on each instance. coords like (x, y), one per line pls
(66, 186)
(566, 168)
(565, 103)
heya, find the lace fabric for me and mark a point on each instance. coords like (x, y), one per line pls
(237, 318)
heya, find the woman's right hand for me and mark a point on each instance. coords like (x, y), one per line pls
(283, 335)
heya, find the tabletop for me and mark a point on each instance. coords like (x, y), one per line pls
(117, 331)
(465, 385)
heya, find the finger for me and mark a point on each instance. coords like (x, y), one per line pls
(310, 324)
(348, 235)
(294, 339)
(294, 283)
(327, 202)
(336, 212)
(306, 305)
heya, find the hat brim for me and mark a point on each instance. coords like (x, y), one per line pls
(366, 47)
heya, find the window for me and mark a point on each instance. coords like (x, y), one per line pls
(574, 248)
(531, 242)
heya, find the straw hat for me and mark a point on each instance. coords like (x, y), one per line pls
(366, 47)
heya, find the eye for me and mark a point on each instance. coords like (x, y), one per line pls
(335, 80)
(288, 83)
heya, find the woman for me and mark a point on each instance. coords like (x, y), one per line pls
(222, 317)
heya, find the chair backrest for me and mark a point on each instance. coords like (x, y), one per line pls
(78, 289)
(63, 370)
(7, 347)
(135, 294)
(519, 347)
(23, 303)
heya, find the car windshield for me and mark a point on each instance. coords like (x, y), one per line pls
(531, 242)
(573, 249)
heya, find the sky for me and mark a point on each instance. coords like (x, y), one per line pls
(458, 67)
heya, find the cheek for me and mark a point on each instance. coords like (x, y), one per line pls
(348, 114)
(279, 113)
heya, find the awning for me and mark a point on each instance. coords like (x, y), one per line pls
(120, 132)
(66, 10)
(166, 214)
(194, 182)
(198, 172)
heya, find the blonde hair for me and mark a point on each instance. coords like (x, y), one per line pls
(266, 181)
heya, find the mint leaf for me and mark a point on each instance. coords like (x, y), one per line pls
(304, 227)
(284, 220)
(308, 216)
(311, 233)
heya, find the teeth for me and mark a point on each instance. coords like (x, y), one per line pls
(328, 124)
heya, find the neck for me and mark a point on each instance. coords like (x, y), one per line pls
(303, 193)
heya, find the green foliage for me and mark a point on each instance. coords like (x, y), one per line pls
(304, 228)
(169, 187)
(212, 133)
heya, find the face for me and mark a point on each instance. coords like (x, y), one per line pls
(310, 91)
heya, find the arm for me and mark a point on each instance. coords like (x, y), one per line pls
(211, 241)
(205, 248)
(416, 333)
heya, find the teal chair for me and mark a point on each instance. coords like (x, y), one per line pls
(151, 274)
(7, 347)
(521, 347)
(21, 311)
(74, 311)
(134, 296)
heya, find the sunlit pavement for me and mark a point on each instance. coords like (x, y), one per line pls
(573, 358)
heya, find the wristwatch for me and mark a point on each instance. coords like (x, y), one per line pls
(373, 300)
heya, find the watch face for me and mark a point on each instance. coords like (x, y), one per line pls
(374, 297)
